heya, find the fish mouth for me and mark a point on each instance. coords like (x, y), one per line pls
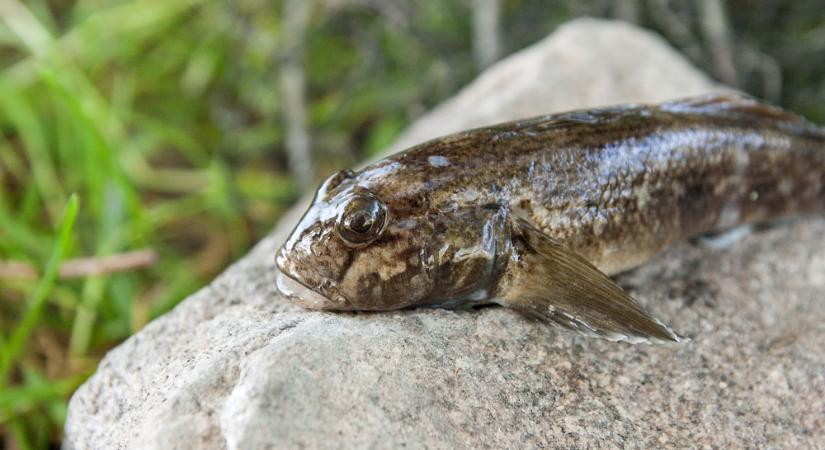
(300, 294)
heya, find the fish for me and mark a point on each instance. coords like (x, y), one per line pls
(537, 214)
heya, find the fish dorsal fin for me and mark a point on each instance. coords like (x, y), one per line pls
(544, 279)
(730, 103)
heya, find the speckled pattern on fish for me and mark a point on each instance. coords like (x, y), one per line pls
(533, 214)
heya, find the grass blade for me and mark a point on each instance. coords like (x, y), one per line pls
(13, 346)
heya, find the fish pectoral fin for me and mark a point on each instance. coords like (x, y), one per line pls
(546, 280)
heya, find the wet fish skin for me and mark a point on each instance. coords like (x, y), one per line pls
(532, 214)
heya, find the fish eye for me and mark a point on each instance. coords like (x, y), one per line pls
(362, 219)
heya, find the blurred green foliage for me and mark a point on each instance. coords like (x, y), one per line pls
(164, 117)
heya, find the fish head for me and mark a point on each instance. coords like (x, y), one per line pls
(353, 251)
(362, 248)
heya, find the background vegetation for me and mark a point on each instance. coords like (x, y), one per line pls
(186, 127)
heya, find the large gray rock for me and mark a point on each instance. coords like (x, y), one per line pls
(236, 367)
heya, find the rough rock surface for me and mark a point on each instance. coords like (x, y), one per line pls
(236, 367)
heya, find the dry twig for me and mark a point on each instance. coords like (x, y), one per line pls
(83, 267)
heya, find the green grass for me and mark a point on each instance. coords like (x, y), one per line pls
(104, 111)
(35, 391)
(11, 346)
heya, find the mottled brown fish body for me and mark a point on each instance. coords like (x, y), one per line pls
(532, 214)
(618, 185)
